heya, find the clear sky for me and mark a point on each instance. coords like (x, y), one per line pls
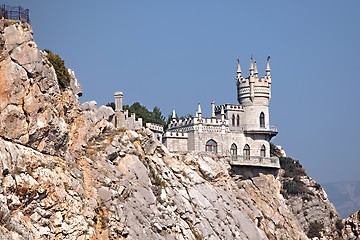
(173, 54)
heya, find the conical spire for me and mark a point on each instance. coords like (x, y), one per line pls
(213, 109)
(198, 112)
(268, 66)
(173, 115)
(238, 71)
(255, 68)
(238, 66)
(251, 64)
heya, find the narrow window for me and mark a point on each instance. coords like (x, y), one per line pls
(233, 149)
(211, 146)
(238, 120)
(262, 119)
(233, 120)
(263, 151)
(246, 152)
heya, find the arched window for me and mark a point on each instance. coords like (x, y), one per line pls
(263, 151)
(233, 120)
(211, 146)
(262, 119)
(246, 152)
(237, 120)
(233, 149)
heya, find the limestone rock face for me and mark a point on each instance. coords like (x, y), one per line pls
(67, 173)
(314, 206)
(34, 111)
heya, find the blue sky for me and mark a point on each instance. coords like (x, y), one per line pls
(173, 54)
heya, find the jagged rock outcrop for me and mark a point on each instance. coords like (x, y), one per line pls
(350, 227)
(67, 173)
(314, 206)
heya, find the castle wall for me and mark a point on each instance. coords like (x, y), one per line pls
(122, 120)
(176, 142)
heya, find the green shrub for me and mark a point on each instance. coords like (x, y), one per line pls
(339, 226)
(62, 72)
(315, 229)
(111, 104)
(292, 167)
(294, 187)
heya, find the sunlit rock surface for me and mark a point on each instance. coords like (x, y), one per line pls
(68, 173)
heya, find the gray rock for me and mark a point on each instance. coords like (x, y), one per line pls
(89, 106)
(74, 84)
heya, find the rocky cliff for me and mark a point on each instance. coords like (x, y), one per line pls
(350, 227)
(67, 173)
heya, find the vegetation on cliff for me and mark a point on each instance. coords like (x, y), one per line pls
(61, 70)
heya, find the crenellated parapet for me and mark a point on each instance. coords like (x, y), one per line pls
(228, 107)
(254, 89)
(122, 118)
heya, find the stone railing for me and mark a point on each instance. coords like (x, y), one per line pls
(258, 128)
(240, 160)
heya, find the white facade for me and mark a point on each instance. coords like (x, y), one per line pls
(242, 130)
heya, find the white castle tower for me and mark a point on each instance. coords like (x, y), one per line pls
(254, 95)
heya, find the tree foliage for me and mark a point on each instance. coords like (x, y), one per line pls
(339, 226)
(61, 71)
(294, 187)
(315, 229)
(111, 104)
(292, 167)
(154, 116)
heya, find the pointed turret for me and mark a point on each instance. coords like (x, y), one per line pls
(199, 111)
(173, 117)
(251, 66)
(268, 70)
(222, 113)
(256, 72)
(238, 71)
(213, 109)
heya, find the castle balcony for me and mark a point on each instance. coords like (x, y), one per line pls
(256, 161)
(257, 129)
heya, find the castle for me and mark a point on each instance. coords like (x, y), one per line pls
(241, 131)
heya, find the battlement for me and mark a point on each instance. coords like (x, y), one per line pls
(175, 134)
(196, 121)
(228, 107)
(155, 127)
(254, 88)
(14, 13)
